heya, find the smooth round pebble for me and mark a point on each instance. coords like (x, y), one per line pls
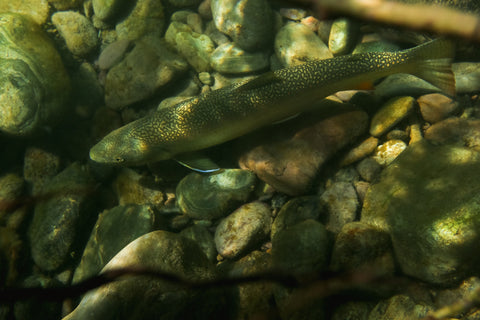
(149, 66)
(467, 76)
(203, 238)
(77, 31)
(34, 85)
(301, 249)
(435, 107)
(344, 35)
(365, 148)
(389, 151)
(248, 22)
(113, 230)
(403, 84)
(295, 44)
(107, 9)
(391, 113)
(144, 297)
(341, 202)
(242, 230)
(134, 188)
(359, 245)
(368, 169)
(297, 210)
(207, 197)
(146, 18)
(113, 53)
(57, 222)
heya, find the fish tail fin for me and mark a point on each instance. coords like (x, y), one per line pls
(433, 63)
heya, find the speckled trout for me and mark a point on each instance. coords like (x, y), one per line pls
(232, 111)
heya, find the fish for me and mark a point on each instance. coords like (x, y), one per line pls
(215, 117)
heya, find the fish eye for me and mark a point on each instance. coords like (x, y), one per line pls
(119, 160)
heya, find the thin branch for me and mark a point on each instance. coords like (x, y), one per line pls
(422, 17)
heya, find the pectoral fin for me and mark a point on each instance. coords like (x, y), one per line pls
(197, 162)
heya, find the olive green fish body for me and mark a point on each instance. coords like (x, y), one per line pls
(232, 111)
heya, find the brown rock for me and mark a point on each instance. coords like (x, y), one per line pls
(294, 152)
(359, 152)
(456, 131)
(435, 107)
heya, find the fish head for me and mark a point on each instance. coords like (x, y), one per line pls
(121, 147)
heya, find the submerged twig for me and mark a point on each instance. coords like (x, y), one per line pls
(422, 17)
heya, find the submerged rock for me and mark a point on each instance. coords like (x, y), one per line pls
(461, 132)
(399, 307)
(147, 68)
(203, 238)
(251, 298)
(301, 249)
(244, 229)
(289, 158)
(77, 31)
(195, 47)
(428, 201)
(295, 44)
(467, 76)
(391, 113)
(202, 196)
(248, 22)
(37, 10)
(389, 151)
(34, 86)
(107, 9)
(341, 202)
(114, 229)
(436, 107)
(39, 166)
(362, 150)
(143, 297)
(361, 246)
(133, 188)
(146, 18)
(58, 222)
(344, 34)
(402, 84)
(113, 53)
(295, 211)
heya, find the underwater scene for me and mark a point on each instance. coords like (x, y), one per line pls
(239, 159)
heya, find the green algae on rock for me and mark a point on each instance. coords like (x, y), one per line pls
(34, 84)
(302, 248)
(149, 297)
(78, 32)
(428, 200)
(58, 223)
(148, 67)
(114, 229)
